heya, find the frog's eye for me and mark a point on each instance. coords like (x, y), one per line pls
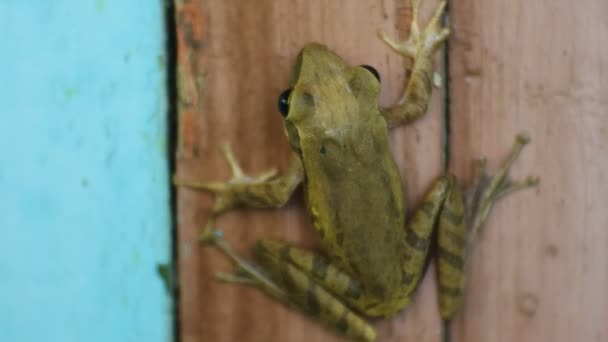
(284, 102)
(372, 70)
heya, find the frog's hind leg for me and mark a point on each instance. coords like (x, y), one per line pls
(296, 287)
(461, 219)
(419, 234)
(329, 275)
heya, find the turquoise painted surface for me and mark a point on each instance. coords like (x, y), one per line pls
(84, 209)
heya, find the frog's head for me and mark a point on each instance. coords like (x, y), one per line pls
(326, 95)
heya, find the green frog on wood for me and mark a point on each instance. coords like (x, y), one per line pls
(374, 256)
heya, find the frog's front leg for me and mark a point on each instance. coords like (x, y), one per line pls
(299, 278)
(420, 46)
(263, 191)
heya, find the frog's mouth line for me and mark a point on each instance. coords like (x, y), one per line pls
(293, 137)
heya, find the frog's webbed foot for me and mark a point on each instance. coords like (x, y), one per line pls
(425, 42)
(487, 189)
(262, 191)
(244, 272)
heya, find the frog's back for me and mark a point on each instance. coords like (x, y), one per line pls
(353, 186)
(355, 196)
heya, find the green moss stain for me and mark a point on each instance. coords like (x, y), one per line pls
(100, 5)
(161, 60)
(166, 274)
(136, 256)
(69, 93)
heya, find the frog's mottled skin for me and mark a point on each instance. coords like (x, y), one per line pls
(344, 149)
(374, 259)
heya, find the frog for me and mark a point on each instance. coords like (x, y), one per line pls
(373, 255)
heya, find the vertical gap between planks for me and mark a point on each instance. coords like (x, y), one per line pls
(171, 133)
(446, 330)
(445, 101)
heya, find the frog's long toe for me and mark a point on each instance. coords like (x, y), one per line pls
(238, 176)
(426, 41)
(245, 272)
(487, 189)
(210, 236)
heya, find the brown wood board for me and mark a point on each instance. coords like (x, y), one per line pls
(539, 270)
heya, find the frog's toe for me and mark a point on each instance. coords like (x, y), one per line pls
(240, 177)
(237, 172)
(435, 33)
(211, 236)
(236, 278)
(406, 48)
(427, 41)
(434, 24)
(487, 189)
(266, 175)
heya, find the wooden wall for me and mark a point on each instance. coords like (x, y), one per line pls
(539, 272)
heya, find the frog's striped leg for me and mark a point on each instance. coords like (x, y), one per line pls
(421, 46)
(264, 191)
(419, 234)
(293, 286)
(418, 237)
(460, 223)
(451, 252)
(325, 273)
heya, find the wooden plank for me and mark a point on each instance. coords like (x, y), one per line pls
(84, 176)
(540, 269)
(234, 60)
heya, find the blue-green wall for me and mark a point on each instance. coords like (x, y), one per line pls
(84, 208)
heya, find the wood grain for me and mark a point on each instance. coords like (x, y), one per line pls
(539, 272)
(540, 268)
